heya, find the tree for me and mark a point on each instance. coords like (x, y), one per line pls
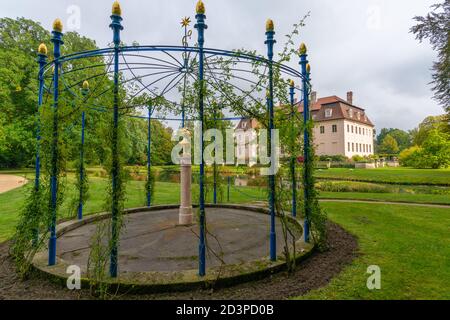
(389, 145)
(435, 26)
(435, 150)
(19, 40)
(420, 134)
(403, 138)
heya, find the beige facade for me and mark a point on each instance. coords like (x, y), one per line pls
(343, 137)
(341, 128)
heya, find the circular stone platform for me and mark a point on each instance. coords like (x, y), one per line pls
(154, 250)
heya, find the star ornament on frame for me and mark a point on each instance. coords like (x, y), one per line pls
(186, 21)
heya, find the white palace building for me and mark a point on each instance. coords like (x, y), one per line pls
(341, 128)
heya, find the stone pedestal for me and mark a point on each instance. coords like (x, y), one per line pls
(185, 216)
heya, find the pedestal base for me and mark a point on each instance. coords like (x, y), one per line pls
(185, 216)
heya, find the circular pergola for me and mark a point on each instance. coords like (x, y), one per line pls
(172, 77)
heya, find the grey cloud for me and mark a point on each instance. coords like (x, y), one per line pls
(356, 45)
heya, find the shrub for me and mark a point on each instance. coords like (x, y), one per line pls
(349, 186)
(335, 158)
(409, 157)
(357, 158)
(434, 153)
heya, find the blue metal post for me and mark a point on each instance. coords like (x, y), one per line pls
(270, 42)
(57, 42)
(201, 26)
(294, 180)
(306, 173)
(42, 60)
(80, 203)
(149, 164)
(116, 26)
(84, 92)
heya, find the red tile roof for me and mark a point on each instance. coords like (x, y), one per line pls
(341, 109)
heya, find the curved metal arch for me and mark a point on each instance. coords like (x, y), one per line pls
(166, 48)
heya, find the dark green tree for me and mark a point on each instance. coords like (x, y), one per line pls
(403, 138)
(435, 27)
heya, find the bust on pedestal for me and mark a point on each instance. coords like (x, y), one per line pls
(185, 213)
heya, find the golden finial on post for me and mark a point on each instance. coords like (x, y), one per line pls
(269, 25)
(58, 26)
(308, 68)
(85, 85)
(200, 8)
(292, 83)
(116, 9)
(43, 49)
(303, 49)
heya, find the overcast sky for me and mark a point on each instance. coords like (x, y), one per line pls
(359, 45)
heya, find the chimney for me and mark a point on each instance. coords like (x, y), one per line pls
(350, 97)
(313, 97)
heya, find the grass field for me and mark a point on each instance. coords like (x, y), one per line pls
(412, 248)
(410, 244)
(395, 197)
(389, 175)
(166, 193)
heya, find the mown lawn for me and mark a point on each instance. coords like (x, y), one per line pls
(12, 201)
(389, 175)
(396, 197)
(410, 245)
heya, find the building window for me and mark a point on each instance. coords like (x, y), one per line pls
(322, 129)
(359, 130)
(357, 148)
(360, 147)
(370, 148)
(364, 148)
(328, 113)
(348, 128)
(353, 147)
(352, 129)
(348, 146)
(334, 128)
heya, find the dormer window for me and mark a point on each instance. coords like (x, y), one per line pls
(328, 113)
(358, 115)
(350, 113)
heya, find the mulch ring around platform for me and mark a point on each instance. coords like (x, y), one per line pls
(313, 273)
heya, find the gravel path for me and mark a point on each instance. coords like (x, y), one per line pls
(9, 182)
